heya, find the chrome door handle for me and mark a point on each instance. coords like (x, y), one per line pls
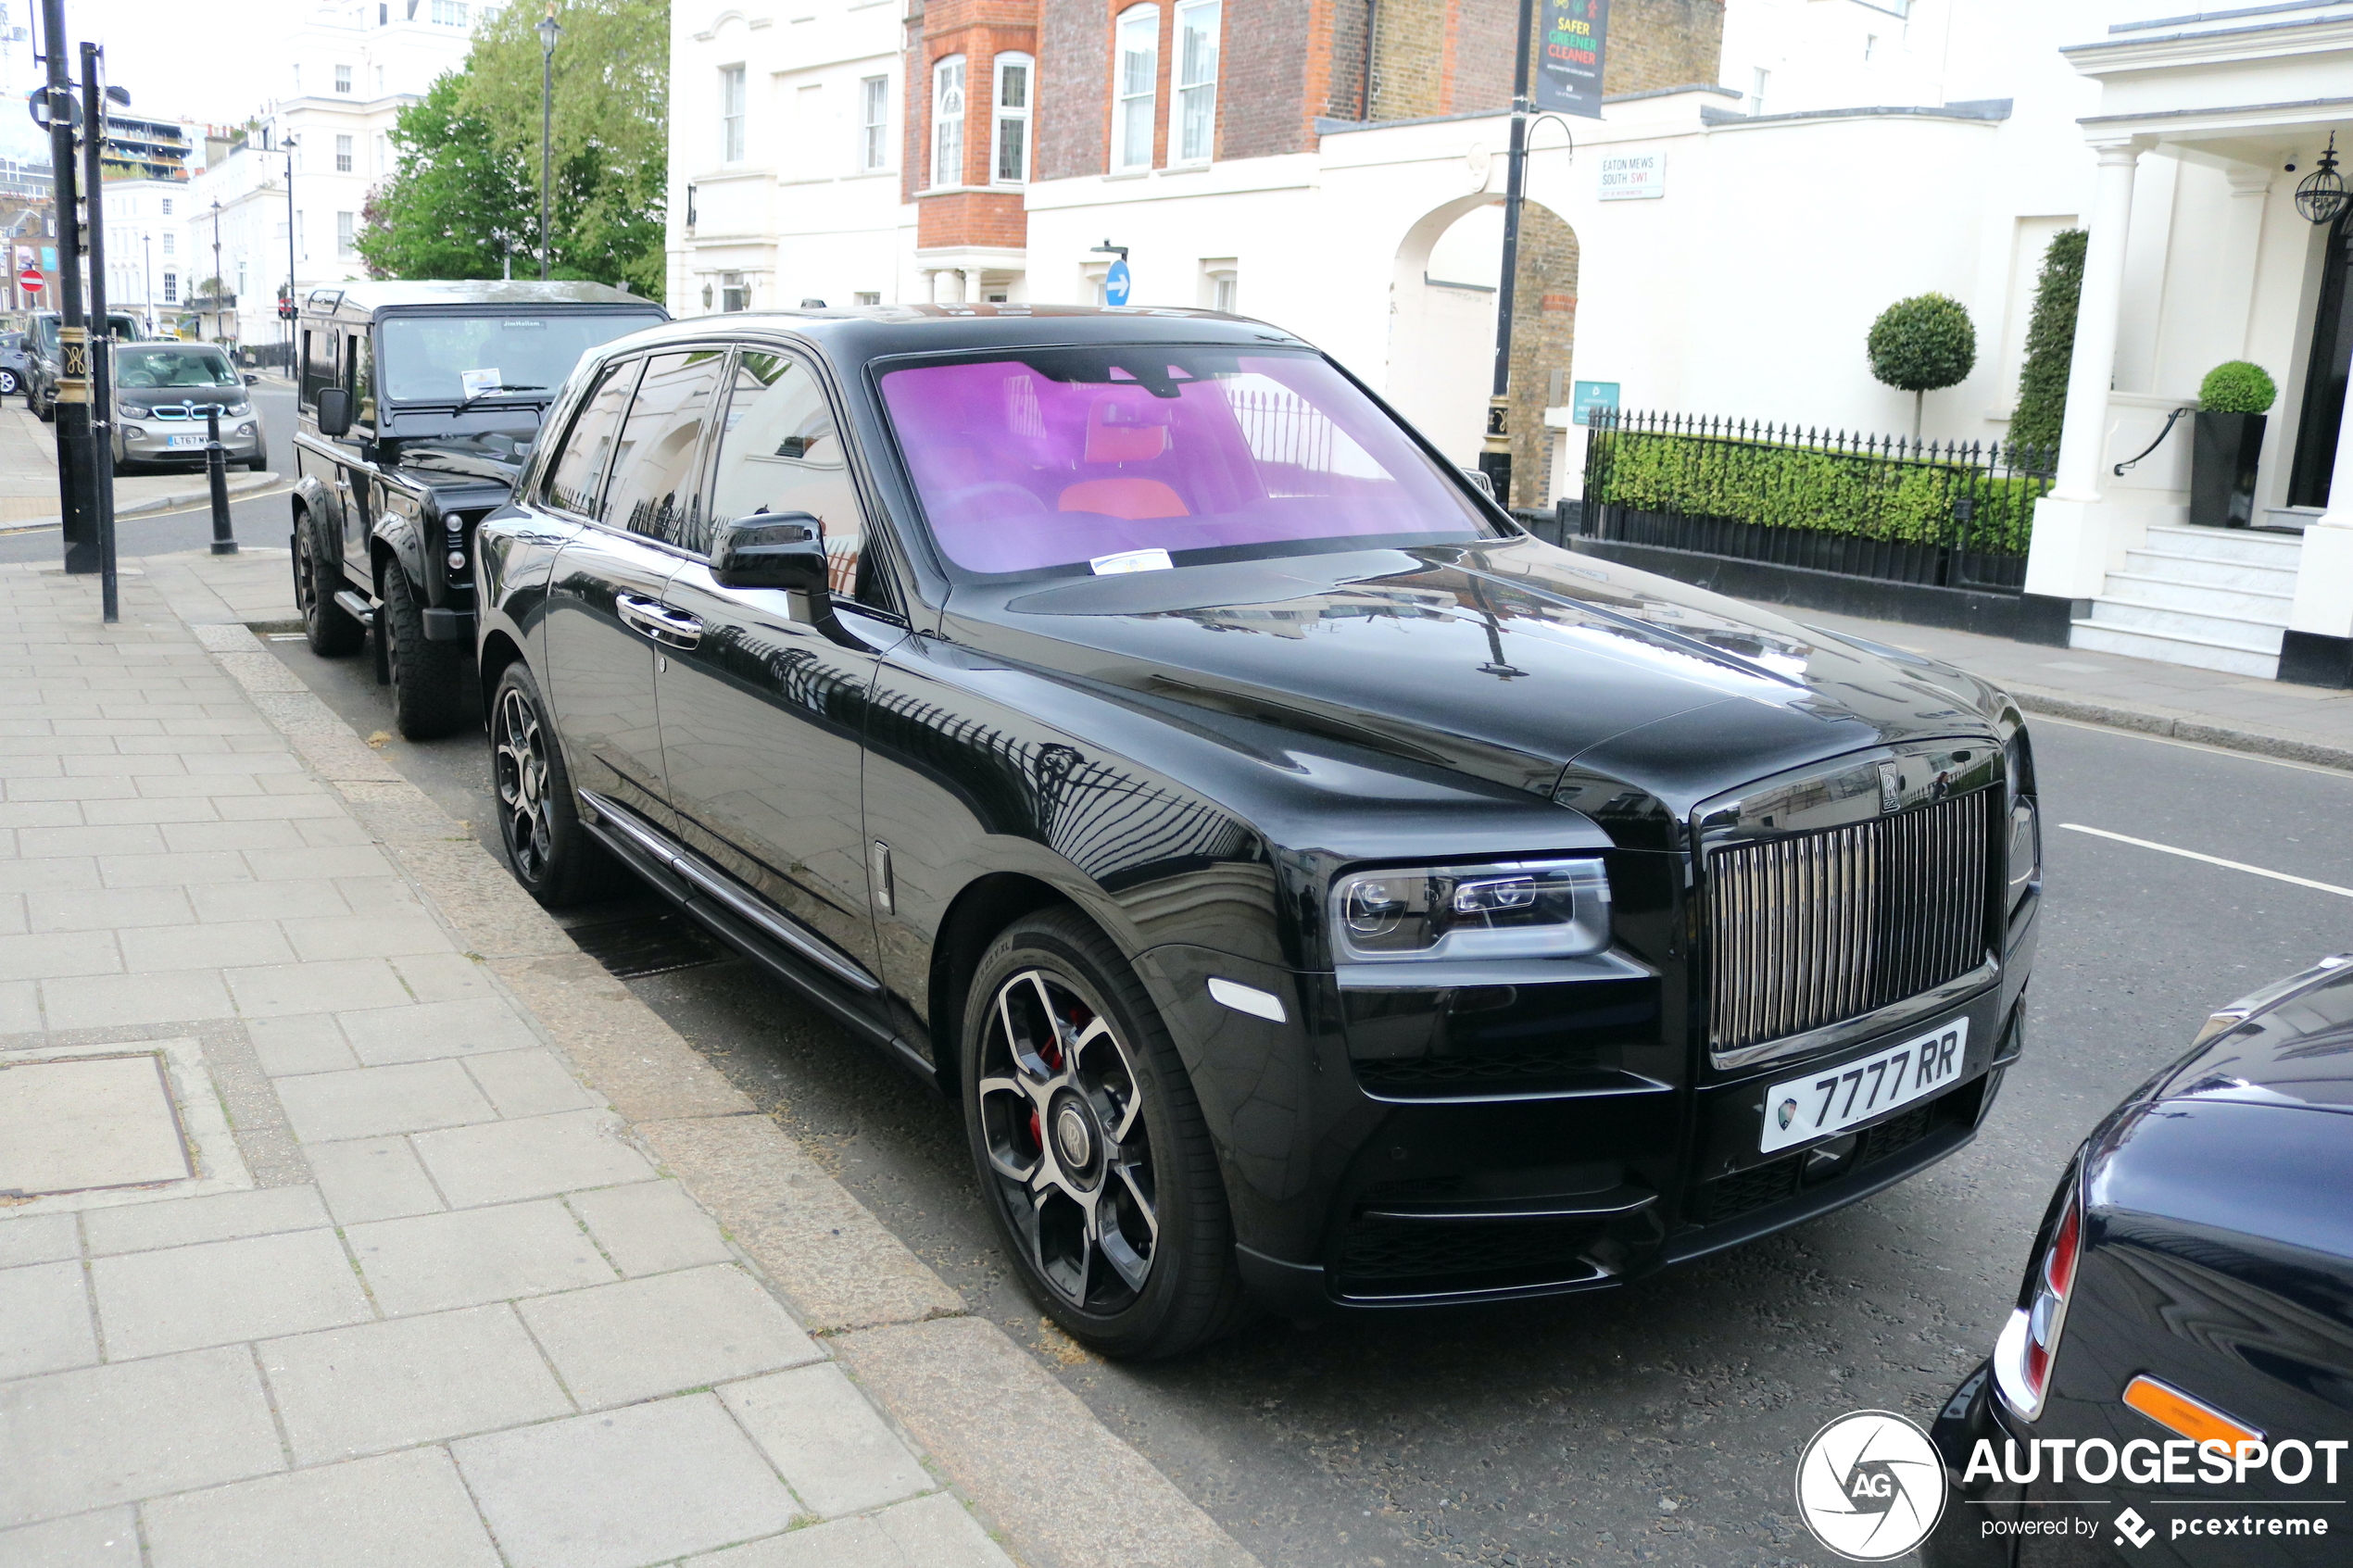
(657, 620)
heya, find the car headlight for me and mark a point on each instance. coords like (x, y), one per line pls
(1514, 909)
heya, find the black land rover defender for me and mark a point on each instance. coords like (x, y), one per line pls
(418, 401)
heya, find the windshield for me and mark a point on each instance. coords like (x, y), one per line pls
(139, 368)
(451, 358)
(1124, 460)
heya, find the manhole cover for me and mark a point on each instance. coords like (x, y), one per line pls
(88, 1123)
(644, 945)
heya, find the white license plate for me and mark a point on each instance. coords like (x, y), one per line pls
(179, 443)
(1831, 1100)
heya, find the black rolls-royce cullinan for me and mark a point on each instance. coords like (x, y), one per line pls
(1317, 892)
(2175, 1386)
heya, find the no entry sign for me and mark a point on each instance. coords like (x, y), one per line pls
(31, 277)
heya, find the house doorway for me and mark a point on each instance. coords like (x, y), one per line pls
(2324, 376)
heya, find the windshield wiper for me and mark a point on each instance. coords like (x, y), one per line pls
(502, 386)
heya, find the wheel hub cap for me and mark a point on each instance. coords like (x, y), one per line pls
(1074, 1138)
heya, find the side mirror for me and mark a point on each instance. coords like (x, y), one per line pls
(774, 550)
(252, 379)
(334, 411)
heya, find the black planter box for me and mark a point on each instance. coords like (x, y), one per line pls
(2223, 454)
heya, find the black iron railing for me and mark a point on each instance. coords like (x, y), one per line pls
(1954, 515)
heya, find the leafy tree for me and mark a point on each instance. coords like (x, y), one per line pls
(450, 196)
(2050, 346)
(1922, 344)
(470, 154)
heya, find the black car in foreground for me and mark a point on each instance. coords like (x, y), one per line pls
(416, 402)
(2183, 1345)
(1315, 891)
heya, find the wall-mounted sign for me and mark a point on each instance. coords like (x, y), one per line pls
(1568, 72)
(1588, 395)
(1628, 177)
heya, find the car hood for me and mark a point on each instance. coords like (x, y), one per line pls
(2297, 1050)
(1512, 661)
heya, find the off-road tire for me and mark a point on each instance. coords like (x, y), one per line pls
(333, 631)
(552, 856)
(427, 678)
(1192, 1292)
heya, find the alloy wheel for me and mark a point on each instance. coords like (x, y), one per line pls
(519, 759)
(305, 583)
(1062, 1115)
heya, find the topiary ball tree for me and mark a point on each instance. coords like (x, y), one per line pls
(2236, 386)
(1922, 344)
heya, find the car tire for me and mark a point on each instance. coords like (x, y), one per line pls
(334, 631)
(549, 851)
(1130, 1248)
(428, 679)
(258, 465)
(8, 383)
(45, 409)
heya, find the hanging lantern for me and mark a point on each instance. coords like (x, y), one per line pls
(2322, 195)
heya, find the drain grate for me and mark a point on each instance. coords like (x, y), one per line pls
(644, 945)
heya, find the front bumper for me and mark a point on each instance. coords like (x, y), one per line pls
(152, 444)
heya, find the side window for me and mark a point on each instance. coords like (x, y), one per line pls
(318, 364)
(359, 378)
(573, 480)
(656, 480)
(779, 452)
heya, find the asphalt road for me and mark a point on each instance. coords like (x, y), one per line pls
(1660, 1424)
(256, 520)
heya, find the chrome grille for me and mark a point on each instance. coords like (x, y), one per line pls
(1817, 927)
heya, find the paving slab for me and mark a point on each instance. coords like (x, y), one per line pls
(84, 1439)
(184, 1222)
(108, 1538)
(650, 1228)
(374, 1387)
(432, 1263)
(372, 1179)
(409, 1509)
(624, 1488)
(501, 1162)
(414, 1032)
(37, 1238)
(46, 1308)
(219, 1292)
(366, 1103)
(831, 1446)
(620, 1343)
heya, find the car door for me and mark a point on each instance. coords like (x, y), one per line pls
(598, 660)
(762, 716)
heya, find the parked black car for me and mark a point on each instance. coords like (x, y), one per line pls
(41, 357)
(1315, 890)
(2192, 1281)
(417, 402)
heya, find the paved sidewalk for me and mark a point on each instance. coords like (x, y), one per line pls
(29, 478)
(2271, 718)
(311, 1246)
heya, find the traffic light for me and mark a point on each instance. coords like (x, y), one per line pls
(285, 310)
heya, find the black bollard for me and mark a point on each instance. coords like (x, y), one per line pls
(216, 472)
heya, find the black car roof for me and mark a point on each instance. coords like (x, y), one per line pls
(362, 300)
(853, 335)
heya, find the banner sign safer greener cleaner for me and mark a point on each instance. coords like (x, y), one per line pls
(1568, 64)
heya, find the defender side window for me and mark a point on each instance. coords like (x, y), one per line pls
(657, 471)
(780, 452)
(318, 365)
(574, 477)
(359, 378)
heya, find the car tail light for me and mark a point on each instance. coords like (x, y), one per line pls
(2030, 1343)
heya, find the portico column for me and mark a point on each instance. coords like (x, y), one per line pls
(2071, 553)
(2318, 649)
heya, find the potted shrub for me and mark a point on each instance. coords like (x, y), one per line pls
(2232, 403)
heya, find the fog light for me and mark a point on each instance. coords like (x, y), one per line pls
(457, 560)
(245, 430)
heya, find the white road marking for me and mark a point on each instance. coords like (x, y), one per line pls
(2211, 860)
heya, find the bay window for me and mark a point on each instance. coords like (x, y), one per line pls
(1010, 162)
(948, 121)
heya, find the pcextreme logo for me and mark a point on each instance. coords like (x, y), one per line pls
(1870, 1485)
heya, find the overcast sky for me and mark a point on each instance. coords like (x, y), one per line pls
(204, 59)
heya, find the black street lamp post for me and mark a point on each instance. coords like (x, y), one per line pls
(549, 30)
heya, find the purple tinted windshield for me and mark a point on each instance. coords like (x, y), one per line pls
(1062, 456)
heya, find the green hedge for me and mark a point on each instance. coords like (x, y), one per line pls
(1907, 502)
